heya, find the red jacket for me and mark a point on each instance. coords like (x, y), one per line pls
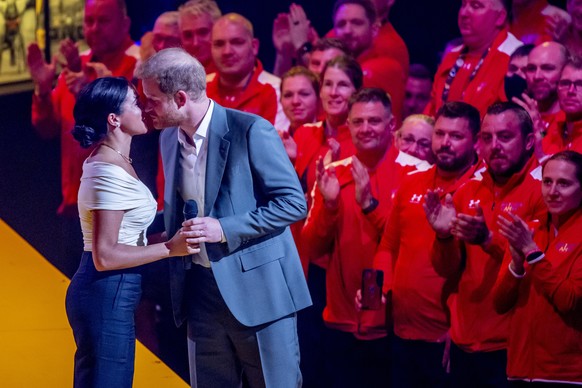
(260, 96)
(54, 116)
(419, 293)
(351, 238)
(311, 144)
(475, 325)
(556, 141)
(545, 332)
(389, 43)
(487, 86)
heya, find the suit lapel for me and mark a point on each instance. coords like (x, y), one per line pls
(218, 148)
(169, 144)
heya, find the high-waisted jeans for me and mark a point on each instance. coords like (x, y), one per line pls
(101, 308)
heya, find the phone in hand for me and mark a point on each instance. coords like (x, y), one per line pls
(372, 281)
(514, 86)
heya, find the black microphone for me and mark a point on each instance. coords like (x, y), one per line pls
(190, 209)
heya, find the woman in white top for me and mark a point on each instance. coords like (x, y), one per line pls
(115, 209)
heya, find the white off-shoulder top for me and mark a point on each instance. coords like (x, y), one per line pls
(105, 186)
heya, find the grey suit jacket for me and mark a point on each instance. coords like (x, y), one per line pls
(252, 189)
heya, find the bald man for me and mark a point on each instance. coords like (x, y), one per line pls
(542, 73)
(240, 81)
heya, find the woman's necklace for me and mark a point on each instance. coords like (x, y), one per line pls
(127, 158)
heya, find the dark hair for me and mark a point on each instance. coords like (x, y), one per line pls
(368, 6)
(525, 123)
(461, 110)
(305, 72)
(417, 70)
(508, 5)
(574, 62)
(349, 66)
(330, 43)
(371, 95)
(94, 103)
(522, 51)
(569, 156)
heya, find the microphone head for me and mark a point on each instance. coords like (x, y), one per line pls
(190, 209)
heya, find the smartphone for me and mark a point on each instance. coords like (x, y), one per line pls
(514, 87)
(372, 281)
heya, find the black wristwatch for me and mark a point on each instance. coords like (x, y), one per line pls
(304, 49)
(371, 207)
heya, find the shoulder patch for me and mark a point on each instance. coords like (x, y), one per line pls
(536, 173)
(509, 44)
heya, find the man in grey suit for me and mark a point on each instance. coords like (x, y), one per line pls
(240, 295)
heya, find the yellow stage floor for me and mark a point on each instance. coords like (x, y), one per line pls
(36, 342)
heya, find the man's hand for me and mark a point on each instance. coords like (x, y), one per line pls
(439, 215)
(75, 80)
(327, 183)
(557, 27)
(282, 34)
(70, 52)
(42, 73)
(471, 229)
(299, 26)
(531, 106)
(202, 230)
(362, 183)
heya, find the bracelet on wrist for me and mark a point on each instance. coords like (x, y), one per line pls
(534, 257)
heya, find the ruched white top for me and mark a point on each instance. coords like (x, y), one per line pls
(105, 186)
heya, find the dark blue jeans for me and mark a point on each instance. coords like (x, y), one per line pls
(101, 307)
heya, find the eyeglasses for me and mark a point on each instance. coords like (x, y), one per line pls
(410, 140)
(566, 84)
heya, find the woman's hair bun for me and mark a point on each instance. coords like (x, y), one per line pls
(85, 135)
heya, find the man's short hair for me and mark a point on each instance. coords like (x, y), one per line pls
(524, 119)
(330, 43)
(419, 71)
(372, 95)
(201, 7)
(461, 110)
(174, 69)
(368, 6)
(574, 62)
(522, 51)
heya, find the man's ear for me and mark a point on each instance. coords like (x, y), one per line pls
(255, 43)
(375, 28)
(180, 98)
(530, 141)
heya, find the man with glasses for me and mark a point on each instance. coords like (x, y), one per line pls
(566, 133)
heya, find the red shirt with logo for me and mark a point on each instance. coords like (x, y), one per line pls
(351, 237)
(475, 324)
(419, 293)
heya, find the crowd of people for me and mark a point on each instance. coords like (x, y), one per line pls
(462, 190)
